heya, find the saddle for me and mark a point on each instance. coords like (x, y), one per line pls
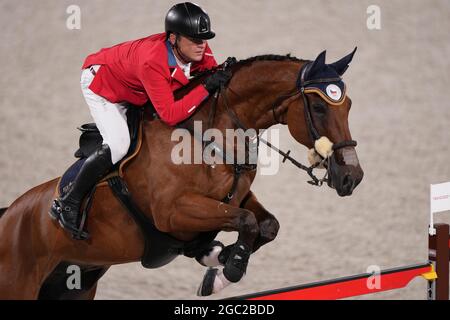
(160, 248)
(91, 139)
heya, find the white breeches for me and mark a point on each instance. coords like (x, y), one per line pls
(110, 118)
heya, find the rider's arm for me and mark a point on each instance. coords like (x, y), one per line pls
(157, 86)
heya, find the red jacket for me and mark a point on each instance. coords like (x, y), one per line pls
(143, 69)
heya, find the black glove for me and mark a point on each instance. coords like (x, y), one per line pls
(217, 79)
(229, 62)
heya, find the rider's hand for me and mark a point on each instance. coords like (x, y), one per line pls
(216, 80)
(230, 61)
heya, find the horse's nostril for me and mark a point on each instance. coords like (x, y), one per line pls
(346, 181)
(348, 184)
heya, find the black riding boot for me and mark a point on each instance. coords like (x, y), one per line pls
(67, 208)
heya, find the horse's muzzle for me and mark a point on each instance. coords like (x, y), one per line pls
(343, 177)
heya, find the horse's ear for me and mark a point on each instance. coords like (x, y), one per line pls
(318, 64)
(342, 65)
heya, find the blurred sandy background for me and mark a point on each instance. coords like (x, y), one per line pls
(398, 81)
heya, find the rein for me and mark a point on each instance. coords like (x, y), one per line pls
(309, 170)
(312, 131)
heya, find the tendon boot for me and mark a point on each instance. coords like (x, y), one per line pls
(67, 208)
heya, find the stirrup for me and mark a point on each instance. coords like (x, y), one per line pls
(55, 210)
(77, 233)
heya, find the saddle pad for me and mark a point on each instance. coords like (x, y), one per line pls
(69, 176)
(92, 139)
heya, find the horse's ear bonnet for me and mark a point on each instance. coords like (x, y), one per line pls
(325, 79)
(341, 66)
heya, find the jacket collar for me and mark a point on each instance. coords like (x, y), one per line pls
(175, 71)
(171, 56)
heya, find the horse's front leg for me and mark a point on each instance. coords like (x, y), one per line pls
(268, 224)
(214, 255)
(197, 213)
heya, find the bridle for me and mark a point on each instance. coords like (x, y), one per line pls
(301, 84)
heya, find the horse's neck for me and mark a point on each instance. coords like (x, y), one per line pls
(256, 90)
(250, 96)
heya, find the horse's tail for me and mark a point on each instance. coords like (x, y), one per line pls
(2, 211)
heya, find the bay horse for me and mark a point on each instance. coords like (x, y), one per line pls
(185, 201)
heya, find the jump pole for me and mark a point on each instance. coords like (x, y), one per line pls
(435, 272)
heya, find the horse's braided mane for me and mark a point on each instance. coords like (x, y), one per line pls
(264, 57)
(271, 57)
(199, 75)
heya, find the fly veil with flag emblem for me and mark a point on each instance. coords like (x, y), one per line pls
(324, 80)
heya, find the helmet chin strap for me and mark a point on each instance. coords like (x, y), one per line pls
(178, 50)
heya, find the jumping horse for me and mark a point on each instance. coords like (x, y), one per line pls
(186, 202)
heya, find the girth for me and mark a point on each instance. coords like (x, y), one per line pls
(159, 247)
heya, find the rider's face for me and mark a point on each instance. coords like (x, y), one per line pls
(193, 49)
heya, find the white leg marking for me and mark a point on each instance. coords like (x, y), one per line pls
(212, 259)
(220, 282)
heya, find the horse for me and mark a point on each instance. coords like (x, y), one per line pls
(186, 201)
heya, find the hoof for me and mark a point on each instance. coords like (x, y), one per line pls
(206, 287)
(213, 282)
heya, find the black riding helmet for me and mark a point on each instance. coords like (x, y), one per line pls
(189, 20)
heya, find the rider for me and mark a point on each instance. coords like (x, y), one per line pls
(134, 72)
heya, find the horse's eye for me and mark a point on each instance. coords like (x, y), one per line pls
(319, 108)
